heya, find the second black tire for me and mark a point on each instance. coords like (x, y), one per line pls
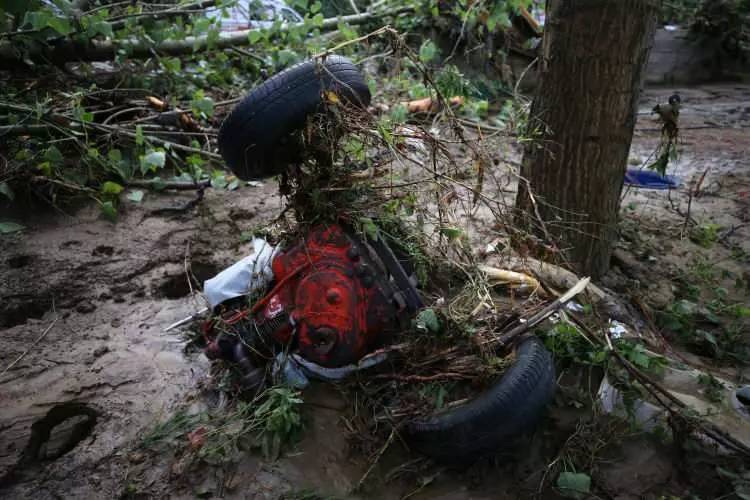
(252, 138)
(512, 406)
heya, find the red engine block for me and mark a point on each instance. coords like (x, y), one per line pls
(340, 305)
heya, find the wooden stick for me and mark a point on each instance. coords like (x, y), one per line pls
(23, 355)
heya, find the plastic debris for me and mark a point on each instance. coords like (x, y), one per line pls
(244, 277)
(616, 329)
(248, 14)
(286, 369)
(646, 414)
(647, 179)
(332, 374)
(574, 307)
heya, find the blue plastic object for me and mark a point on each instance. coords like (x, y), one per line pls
(648, 179)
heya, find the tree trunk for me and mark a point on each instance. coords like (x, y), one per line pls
(584, 111)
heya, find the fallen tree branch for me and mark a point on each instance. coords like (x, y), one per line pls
(118, 22)
(24, 353)
(70, 50)
(58, 120)
(168, 185)
(505, 338)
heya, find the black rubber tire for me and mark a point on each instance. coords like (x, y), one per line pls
(511, 407)
(253, 138)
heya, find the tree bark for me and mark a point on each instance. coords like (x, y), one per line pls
(594, 55)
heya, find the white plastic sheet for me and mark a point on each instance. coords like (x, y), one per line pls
(244, 277)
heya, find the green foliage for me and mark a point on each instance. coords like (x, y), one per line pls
(170, 431)
(428, 321)
(637, 354)
(705, 235)
(712, 387)
(740, 480)
(574, 484)
(566, 343)
(281, 421)
(270, 422)
(153, 161)
(6, 191)
(10, 227)
(436, 393)
(428, 51)
(135, 196)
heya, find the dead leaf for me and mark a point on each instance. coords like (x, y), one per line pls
(457, 100)
(156, 103)
(189, 123)
(425, 105)
(430, 105)
(197, 438)
(331, 97)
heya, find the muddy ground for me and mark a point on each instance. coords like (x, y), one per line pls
(84, 303)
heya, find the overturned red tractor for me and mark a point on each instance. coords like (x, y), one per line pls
(329, 300)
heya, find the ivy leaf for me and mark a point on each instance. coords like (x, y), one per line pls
(109, 211)
(369, 228)
(38, 19)
(111, 188)
(428, 51)
(10, 227)
(53, 155)
(7, 191)
(428, 321)
(61, 25)
(202, 105)
(573, 485)
(153, 161)
(135, 196)
(453, 233)
(99, 28)
(219, 181)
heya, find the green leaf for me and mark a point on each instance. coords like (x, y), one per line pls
(112, 188)
(428, 321)
(318, 19)
(254, 36)
(202, 105)
(399, 113)
(219, 181)
(171, 64)
(135, 196)
(109, 211)
(7, 191)
(61, 25)
(369, 228)
(428, 51)
(139, 135)
(153, 161)
(10, 227)
(37, 19)
(453, 233)
(53, 155)
(99, 28)
(573, 484)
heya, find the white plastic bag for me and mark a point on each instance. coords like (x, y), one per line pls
(244, 277)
